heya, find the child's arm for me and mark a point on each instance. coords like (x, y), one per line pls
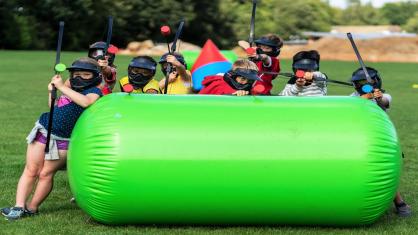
(320, 79)
(49, 95)
(78, 98)
(151, 91)
(180, 68)
(161, 83)
(291, 90)
(241, 93)
(67, 83)
(109, 76)
(171, 78)
(266, 61)
(383, 100)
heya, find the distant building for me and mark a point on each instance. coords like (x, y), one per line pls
(361, 32)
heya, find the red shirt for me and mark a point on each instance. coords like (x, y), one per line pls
(215, 85)
(267, 78)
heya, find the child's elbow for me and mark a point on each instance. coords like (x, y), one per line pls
(87, 103)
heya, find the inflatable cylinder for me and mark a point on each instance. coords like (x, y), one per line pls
(155, 159)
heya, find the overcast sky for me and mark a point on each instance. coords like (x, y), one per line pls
(375, 3)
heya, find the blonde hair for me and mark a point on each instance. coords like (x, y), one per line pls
(244, 64)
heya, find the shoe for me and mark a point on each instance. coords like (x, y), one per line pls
(15, 213)
(30, 213)
(5, 211)
(403, 209)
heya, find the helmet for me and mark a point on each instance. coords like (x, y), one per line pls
(96, 51)
(359, 80)
(306, 60)
(268, 41)
(143, 62)
(178, 56)
(249, 74)
(85, 64)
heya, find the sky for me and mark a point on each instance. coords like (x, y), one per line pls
(375, 3)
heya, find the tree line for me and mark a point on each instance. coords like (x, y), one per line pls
(28, 24)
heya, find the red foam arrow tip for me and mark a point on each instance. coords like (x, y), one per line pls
(112, 49)
(250, 50)
(300, 73)
(165, 30)
(128, 88)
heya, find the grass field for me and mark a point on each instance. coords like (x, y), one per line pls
(23, 97)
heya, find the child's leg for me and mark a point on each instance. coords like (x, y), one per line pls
(45, 182)
(398, 199)
(34, 162)
(402, 209)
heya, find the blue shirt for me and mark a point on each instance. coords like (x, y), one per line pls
(66, 114)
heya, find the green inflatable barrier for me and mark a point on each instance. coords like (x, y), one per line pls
(155, 159)
(191, 56)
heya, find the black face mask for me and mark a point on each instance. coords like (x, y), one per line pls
(230, 79)
(164, 71)
(138, 80)
(79, 84)
(363, 87)
(274, 53)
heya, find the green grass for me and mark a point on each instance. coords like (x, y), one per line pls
(23, 96)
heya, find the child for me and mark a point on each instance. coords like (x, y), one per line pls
(180, 79)
(108, 69)
(376, 95)
(238, 81)
(308, 81)
(359, 80)
(40, 167)
(265, 57)
(141, 71)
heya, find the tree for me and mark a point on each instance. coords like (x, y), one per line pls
(412, 24)
(358, 14)
(209, 22)
(399, 13)
(282, 17)
(15, 26)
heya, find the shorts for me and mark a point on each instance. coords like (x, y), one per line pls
(61, 144)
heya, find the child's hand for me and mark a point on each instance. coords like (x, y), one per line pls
(377, 93)
(172, 76)
(50, 87)
(103, 63)
(241, 93)
(308, 76)
(367, 96)
(173, 60)
(57, 81)
(263, 56)
(252, 54)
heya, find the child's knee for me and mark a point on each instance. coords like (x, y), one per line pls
(46, 175)
(32, 170)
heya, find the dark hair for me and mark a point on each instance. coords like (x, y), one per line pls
(312, 55)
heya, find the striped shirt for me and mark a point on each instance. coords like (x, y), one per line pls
(317, 88)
